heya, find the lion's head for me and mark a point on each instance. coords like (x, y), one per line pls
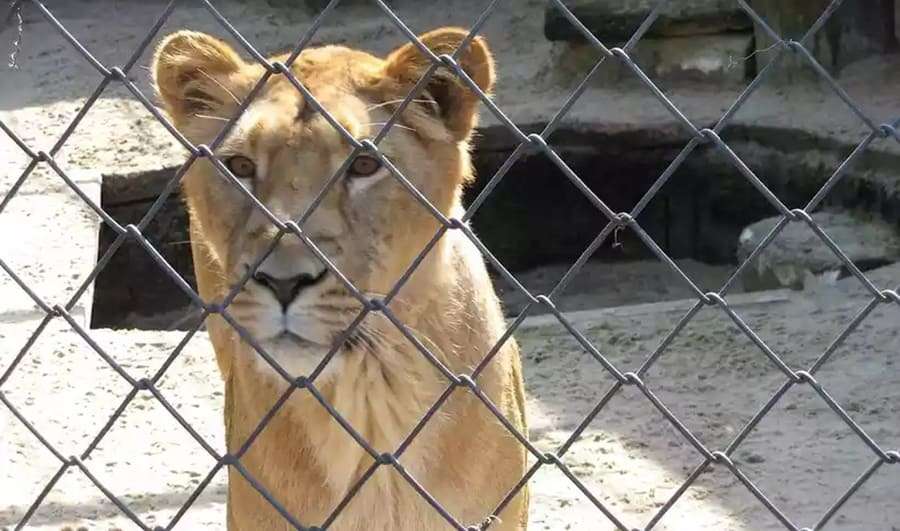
(284, 151)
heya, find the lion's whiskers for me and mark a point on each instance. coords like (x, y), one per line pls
(392, 102)
(209, 117)
(223, 87)
(400, 126)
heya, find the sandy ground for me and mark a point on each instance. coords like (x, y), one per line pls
(714, 379)
(609, 284)
(801, 455)
(711, 376)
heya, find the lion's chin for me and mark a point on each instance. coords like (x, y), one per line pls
(292, 338)
(295, 354)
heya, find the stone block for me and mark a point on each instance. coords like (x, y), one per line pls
(614, 21)
(704, 57)
(711, 58)
(316, 6)
(50, 242)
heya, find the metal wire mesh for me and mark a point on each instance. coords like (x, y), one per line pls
(527, 142)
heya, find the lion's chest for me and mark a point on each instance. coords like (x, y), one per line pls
(319, 448)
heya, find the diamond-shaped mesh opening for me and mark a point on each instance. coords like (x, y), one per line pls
(156, 486)
(88, 507)
(699, 375)
(630, 455)
(849, 375)
(715, 498)
(861, 511)
(553, 348)
(627, 370)
(762, 456)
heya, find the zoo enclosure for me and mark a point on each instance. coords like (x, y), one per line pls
(527, 143)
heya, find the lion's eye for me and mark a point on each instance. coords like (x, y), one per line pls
(241, 167)
(363, 166)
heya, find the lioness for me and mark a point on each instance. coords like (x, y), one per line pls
(372, 228)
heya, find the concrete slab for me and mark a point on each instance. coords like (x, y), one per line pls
(49, 239)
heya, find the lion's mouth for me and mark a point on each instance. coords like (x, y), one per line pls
(287, 336)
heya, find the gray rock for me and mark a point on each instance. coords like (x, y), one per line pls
(613, 21)
(716, 59)
(798, 255)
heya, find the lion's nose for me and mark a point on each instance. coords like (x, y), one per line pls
(287, 289)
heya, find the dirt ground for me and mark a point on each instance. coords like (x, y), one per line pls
(802, 455)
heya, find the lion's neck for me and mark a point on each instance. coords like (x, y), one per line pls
(380, 394)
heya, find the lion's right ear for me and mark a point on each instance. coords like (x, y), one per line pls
(456, 103)
(192, 72)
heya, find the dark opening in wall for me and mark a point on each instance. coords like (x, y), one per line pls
(132, 291)
(536, 217)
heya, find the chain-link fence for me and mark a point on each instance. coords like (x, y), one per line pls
(526, 143)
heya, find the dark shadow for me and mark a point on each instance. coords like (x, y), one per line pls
(52, 512)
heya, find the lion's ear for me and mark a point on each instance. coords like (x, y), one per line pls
(191, 72)
(456, 101)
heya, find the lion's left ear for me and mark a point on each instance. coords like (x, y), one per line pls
(456, 102)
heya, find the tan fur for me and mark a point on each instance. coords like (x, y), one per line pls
(382, 385)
